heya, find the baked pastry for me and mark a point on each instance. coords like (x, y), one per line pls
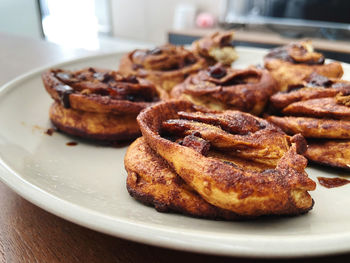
(291, 64)
(218, 165)
(98, 104)
(216, 47)
(335, 153)
(318, 109)
(165, 66)
(221, 88)
(152, 181)
(314, 86)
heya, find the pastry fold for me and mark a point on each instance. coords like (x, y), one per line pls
(165, 66)
(225, 159)
(216, 47)
(335, 153)
(98, 104)
(313, 127)
(291, 64)
(153, 182)
(318, 109)
(223, 88)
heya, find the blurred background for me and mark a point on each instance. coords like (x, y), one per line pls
(99, 24)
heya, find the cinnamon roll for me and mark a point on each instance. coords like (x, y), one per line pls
(227, 165)
(98, 104)
(291, 64)
(222, 88)
(318, 109)
(216, 47)
(165, 66)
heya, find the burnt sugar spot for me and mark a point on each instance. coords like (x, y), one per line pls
(72, 143)
(332, 182)
(50, 131)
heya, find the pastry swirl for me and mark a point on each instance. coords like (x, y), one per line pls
(216, 47)
(227, 159)
(222, 88)
(315, 108)
(291, 64)
(153, 182)
(98, 104)
(318, 109)
(165, 66)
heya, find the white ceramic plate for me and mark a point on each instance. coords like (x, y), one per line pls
(86, 185)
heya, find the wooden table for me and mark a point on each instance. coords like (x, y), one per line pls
(30, 234)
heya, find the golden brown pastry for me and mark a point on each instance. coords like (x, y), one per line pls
(217, 165)
(222, 88)
(153, 182)
(321, 108)
(313, 127)
(98, 104)
(216, 47)
(313, 87)
(334, 153)
(291, 64)
(165, 66)
(318, 109)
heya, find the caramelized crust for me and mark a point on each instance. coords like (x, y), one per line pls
(98, 104)
(153, 182)
(216, 47)
(291, 64)
(334, 153)
(221, 88)
(298, 53)
(165, 66)
(312, 127)
(306, 91)
(98, 90)
(323, 108)
(263, 146)
(323, 105)
(94, 125)
(222, 182)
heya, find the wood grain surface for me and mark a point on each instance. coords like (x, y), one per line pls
(30, 234)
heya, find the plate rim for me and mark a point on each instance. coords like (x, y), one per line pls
(162, 236)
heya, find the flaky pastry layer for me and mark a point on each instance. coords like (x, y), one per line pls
(192, 144)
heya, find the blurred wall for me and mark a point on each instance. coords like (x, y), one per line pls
(149, 20)
(20, 17)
